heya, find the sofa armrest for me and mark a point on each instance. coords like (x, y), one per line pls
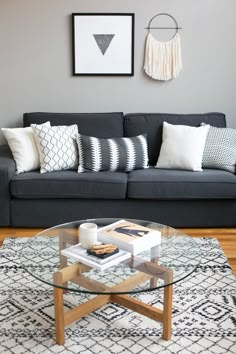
(7, 171)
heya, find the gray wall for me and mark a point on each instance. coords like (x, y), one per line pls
(35, 60)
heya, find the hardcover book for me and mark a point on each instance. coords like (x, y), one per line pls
(129, 236)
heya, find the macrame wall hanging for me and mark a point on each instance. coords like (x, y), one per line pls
(163, 59)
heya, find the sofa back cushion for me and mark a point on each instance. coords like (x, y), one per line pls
(151, 124)
(100, 125)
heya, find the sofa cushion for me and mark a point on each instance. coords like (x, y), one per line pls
(182, 147)
(177, 184)
(57, 147)
(23, 147)
(220, 149)
(151, 123)
(117, 154)
(101, 125)
(69, 184)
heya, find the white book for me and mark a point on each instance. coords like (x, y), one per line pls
(129, 236)
(80, 254)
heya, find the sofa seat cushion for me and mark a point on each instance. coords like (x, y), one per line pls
(69, 184)
(177, 184)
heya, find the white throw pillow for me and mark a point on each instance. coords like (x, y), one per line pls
(57, 147)
(23, 147)
(182, 147)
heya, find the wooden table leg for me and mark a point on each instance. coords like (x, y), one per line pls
(167, 312)
(64, 239)
(59, 311)
(155, 254)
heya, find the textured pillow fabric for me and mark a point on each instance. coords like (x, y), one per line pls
(116, 154)
(23, 147)
(182, 147)
(220, 149)
(57, 147)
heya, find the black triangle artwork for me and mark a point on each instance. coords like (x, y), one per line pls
(103, 41)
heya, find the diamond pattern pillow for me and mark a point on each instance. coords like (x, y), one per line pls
(57, 147)
(220, 149)
(117, 154)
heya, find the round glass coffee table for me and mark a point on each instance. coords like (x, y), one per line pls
(161, 266)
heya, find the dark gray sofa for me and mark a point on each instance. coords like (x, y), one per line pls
(174, 197)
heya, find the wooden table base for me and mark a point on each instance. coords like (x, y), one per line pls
(74, 272)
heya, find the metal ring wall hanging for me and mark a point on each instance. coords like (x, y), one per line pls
(164, 14)
(163, 59)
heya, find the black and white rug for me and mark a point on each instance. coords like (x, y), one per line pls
(204, 313)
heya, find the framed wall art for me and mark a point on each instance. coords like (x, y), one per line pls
(103, 43)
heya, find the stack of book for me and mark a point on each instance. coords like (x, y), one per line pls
(129, 236)
(80, 254)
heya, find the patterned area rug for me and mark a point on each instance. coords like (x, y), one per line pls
(203, 313)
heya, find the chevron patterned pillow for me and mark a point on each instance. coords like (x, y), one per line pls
(57, 147)
(220, 149)
(116, 154)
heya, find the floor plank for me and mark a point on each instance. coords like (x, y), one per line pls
(225, 236)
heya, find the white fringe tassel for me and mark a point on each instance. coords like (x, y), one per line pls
(162, 59)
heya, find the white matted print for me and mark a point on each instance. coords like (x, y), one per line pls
(103, 44)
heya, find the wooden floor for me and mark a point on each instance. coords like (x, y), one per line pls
(226, 238)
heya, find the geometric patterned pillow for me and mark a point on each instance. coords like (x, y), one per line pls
(57, 147)
(220, 149)
(116, 154)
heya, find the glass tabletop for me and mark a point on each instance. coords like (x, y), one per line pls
(174, 259)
